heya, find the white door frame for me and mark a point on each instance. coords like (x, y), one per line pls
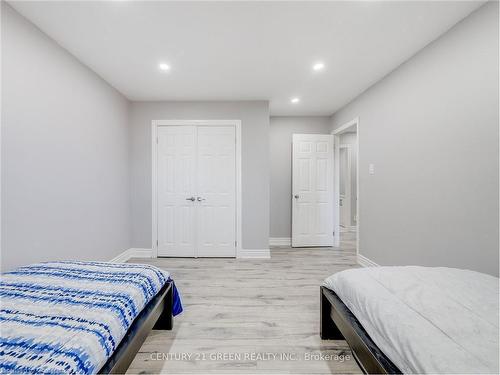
(336, 205)
(154, 173)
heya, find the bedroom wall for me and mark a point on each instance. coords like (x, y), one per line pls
(255, 162)
(431, 130)
(281, 131)
(65, 182)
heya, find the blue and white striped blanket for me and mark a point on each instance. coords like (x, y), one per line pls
(69, 317)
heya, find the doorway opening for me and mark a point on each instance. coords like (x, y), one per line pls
(346, 201)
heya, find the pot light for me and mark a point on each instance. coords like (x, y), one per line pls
(295, 100)
(318, 66)
(164, 67)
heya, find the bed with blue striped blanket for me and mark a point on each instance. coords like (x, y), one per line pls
(69, 317)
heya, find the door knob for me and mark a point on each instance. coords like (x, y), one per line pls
(296, 196)
(192, 199)
(199, 199)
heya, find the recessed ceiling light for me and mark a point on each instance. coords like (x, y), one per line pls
(318, 66)
(295, 100)
(164, 67)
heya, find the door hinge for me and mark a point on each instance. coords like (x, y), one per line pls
(333, 234)
(235, 243)
(156, 243)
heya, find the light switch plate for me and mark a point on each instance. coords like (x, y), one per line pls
(371, 168)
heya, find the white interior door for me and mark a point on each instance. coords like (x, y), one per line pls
(312, 190)
(176, 191)
(196, 191)
(216, 197)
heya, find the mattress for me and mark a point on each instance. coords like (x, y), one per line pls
(426, 320)
(69, 317)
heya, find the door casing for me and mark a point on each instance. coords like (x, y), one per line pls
(154, 174)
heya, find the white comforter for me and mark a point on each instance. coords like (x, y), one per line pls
(426, 320)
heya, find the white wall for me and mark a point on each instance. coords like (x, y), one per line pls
(431, 129)
(255, 162)
(65, 183)
(282, 129)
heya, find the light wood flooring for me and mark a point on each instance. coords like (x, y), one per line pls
(261, 314)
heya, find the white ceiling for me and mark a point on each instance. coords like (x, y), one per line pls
(245, 50)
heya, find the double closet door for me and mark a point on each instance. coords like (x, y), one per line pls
(196, 191)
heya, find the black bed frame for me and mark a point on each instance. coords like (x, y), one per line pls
(339, 323)
(157, 314)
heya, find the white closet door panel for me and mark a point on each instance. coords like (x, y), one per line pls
(176, 183)
(216, 186)
(312, 188)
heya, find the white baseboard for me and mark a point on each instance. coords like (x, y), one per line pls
(254, 253)
(132, 253)
(365, 262)
(122, 257)
(141, 253)
(148, 253)
(350, 229)
(280, 241)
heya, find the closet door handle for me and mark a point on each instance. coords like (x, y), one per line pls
(192, 199)
(199, 199)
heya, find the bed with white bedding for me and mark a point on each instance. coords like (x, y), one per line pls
(70, 317)
(426, 320)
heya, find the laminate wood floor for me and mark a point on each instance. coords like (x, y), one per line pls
(246, 316)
